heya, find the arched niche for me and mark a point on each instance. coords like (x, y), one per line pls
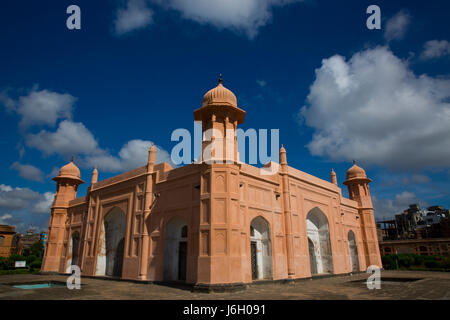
(353, 251)
(260, 249)
(175, 249)
(319, 242)
(111, 244)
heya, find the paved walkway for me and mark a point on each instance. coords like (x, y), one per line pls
(397, 285)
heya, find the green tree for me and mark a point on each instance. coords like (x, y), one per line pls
(37, 249)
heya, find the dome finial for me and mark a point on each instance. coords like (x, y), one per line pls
(354, 162)
(220, 79)
(72, 159)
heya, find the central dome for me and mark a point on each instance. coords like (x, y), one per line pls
(219, 96)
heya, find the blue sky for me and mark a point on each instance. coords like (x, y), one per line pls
(137, 69)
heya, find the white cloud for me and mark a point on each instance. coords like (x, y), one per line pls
(5, 188)
(238, 15)
(69, 139)
(435, 49)
(44, 108)
(132, 155)
(72, 138)
(44, 205)
(135, 16)
(21, 207)
(28, 171)
(17, 198)
(387, 208)
(374, 109)
(75, 139)
(396, 26)
(5, 218)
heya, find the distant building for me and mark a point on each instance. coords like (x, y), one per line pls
(423, 232)
(415, 223)
(28, 239)
(425, 247)
(409, 220)
(43, 238)
(435, 214)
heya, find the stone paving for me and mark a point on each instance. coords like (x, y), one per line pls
(398, 285)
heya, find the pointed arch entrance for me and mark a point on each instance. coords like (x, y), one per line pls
(353, 251)
(175, 250)
(111, 244)
(321, 260)
(261, 249)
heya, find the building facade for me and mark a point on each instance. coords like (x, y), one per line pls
(8, 239)
(212, 223)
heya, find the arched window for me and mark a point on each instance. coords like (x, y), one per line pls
(1, 240)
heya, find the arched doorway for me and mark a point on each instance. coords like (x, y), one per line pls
(73, 251)
(353, 251)
(261, 249)
(175, 250)
(320, 255)
(111, 244)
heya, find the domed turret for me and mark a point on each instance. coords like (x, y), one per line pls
(69, 171)
(220, 116)
(219, 96)
(355, 172)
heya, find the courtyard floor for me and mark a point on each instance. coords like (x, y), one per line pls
(401, 285)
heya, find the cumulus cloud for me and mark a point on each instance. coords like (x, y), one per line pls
(44, 108)
(435, 49)
(387, 208)
(397, 26)
(75, 139)
(132, 155)
(21, 207)
(44, 205)
(70, 138)
(17, 198)
(28, 171)
(238, 15)
(373, 108)
(135, 16)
